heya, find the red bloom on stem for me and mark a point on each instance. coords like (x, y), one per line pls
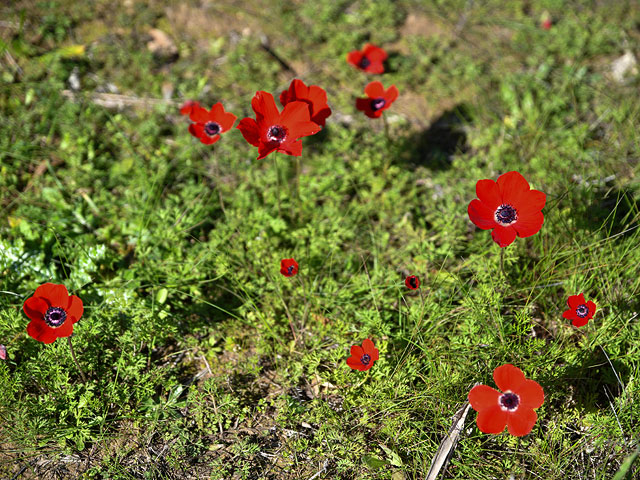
(513, 407)
(412, 282)
(507, 206)
(378, 99)
(288, 267)
(370, 58)
(362, 357)
(188, 106)
(52, 312)
(314, 96)
(580, 311)
(273, 130)
(208, 125)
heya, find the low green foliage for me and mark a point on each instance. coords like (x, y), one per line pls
(202, 359)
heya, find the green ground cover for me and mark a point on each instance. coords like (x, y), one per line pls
(174, 246)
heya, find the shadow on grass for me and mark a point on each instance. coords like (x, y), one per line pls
(435, 147)
(614, 210)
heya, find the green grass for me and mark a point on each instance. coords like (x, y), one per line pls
(174, 247)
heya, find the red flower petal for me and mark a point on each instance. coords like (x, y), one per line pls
(364, 105)
(187, 107)
(374, 90)
(503, 236)
(296, 117)
(249, 129)
(592, 308)
(512, 185)
(265, 149)
(265, 108)
(375, 68)
(75, 309)
(580, 322)
(199, 114)
(374, 54)
(64, 330)
(35, 308)
(531, 394)
(370, 349)
(571, 315)
(354, 58)
(575, 301)
(216, 112)
(41, 331)
(356, 364)
(226, 121)
(489, 194)
(528, 225)
(531, 202)
(492, 420)
(291, 148)
(197, 130)
(482, 397)
(481, 215)
(508, 377)
(390, 96)
(357, 351)
(521, 421)
(56, 295)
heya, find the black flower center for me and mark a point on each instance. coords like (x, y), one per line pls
(291, 269)
(365, 359)
(364, 62)
(212, 128)
(509, 401)
(582, 311)
(276, 133)
(378, 103)
(55, 316)
(506, 214)
(412, 282)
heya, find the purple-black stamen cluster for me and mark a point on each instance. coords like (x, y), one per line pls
(212, 128)
(378, 103)
(509, 400)
(365, 359)
(582, 311)
(276, 134)
(506, 214)
(55, 316)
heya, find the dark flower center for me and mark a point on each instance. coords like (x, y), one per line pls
(377, 103)
(506, 214)
(582, 311)
(212, 128)
(291, 269)
(412, 282)
(364, 62)
(509, 401)
(276, 133)
(55, 316)
(365, 359)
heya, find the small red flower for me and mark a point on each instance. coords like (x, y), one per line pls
(370, 59)
(288, 267)
(275, 131)
(507, 206)
(52, 312)
(362, 357)
(580, 311)
(379, 99)
(546, 24)
(412, 282)
(188, 106)
(514, 407)
(208, 125)
(314, 96)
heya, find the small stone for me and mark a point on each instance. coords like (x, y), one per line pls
(624, 66)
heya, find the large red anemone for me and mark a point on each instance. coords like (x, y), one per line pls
(513, 407)
(508, 206)
(52, 312)
(273, 130)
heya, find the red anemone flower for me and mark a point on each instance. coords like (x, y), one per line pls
(580, 311)
(362, 357)
(188, 106)
(378, 99)
(288, 267)
(314, 96)
(370, 59)
(513, 407)
(52, 312)
(273, 130)
(412, 282)
(208, 125)
(507, 206)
